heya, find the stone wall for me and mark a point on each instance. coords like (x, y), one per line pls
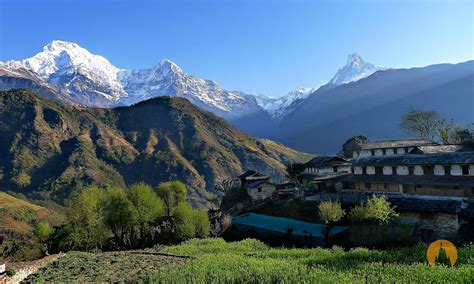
(444, 225)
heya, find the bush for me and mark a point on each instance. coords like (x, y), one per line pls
(376, 209)
(330, 211)
(10, 272)
(43, 231)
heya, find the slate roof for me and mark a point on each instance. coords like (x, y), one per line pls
(424, 204)
(418, 159)
(256, 183)
(253, 175)
(396, 144)
(440, 149)
(320, 177)
(421, 180)
(319, 161)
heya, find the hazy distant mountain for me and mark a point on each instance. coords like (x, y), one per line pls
(355, 69)
(81, 77)
(373, 106)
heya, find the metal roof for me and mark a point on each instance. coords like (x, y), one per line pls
(418, 159)
(282, 225)
(396, 144)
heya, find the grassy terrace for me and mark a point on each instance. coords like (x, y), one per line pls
(250, 261)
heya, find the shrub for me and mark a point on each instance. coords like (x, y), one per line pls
(10, 272)
(201, 221)
(330, 211)
(43, 231)
(376, 209)
(172, 193)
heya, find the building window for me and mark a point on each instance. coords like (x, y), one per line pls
(465, 170)
(334, 169)
(418, 186)
(406, 150)
(372, 152)
(395, 151)
(364, 170)
(378, 170)
(428, 170)
(385, 186)
(394, 170)
(384, 152)
(447, 170)
(368, 185)
(411, 170)
(259, 189)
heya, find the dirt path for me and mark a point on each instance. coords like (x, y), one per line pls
(24, 269)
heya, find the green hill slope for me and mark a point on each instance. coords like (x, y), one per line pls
(47, 150)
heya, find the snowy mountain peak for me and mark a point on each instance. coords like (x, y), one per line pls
(354, 59)
(355, 69)
(168, 68)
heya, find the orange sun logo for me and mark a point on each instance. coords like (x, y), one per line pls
(433, 252)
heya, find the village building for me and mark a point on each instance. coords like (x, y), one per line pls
(390, 147)
(257, 185)
(432, 189)
(324, 173)
(442, 174)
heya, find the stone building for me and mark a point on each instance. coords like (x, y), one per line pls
(390, 147)
(257, 185)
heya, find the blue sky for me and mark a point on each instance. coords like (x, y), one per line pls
(261, 46)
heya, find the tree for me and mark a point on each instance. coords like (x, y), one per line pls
(85, 229)
(147, 205)
(352, 145)
(43, 231)
(293, 170)
(172, 193)
(330, 212)
(120, 215)
(452, 134)
(201, 221)
(183, 216)
(23, 179)
(420, 124)
(376, 209)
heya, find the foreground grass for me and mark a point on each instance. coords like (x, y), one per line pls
(250, 261)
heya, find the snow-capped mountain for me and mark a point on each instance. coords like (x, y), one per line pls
(92, 80)
(355, 69)
(278, 107)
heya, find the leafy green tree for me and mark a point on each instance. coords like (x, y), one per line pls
(23, 179)
(120, 215)
(172, 193)
(330, 212)
(183, 215)
(376, 209)
(352, 145)
(420, 124)
(85, 228)
(202, 224)
(147, 205)
(293, 170)
(43, 231)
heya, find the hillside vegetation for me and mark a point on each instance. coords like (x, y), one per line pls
(17, 222)
(250, 261)
(48, 150)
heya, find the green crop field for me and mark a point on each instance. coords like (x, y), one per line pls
(250, 261)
